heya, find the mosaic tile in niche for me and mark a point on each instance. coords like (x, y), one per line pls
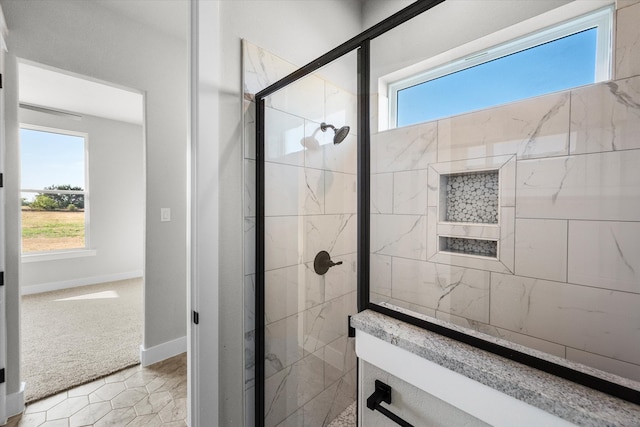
(472, 197)
(487, 248)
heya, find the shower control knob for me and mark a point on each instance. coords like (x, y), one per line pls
(323, 263)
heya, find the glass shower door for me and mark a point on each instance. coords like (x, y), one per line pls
(310, 246)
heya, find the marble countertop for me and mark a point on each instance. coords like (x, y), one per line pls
(568, 400)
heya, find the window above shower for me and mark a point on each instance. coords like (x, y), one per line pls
(487, 73)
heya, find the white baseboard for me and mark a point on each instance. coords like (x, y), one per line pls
(149, 356)
(56, 286)
(15, 402)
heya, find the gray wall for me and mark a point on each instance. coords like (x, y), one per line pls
(85, 38)
(116, 202)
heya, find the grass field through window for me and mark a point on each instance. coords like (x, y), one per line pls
(52, 230)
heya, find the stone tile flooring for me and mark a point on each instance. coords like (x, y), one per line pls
(151, 396)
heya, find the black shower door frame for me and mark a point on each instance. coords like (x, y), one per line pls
(361, 44)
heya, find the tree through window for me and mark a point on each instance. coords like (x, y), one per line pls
(53, 190)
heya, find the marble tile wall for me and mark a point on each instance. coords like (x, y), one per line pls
(572, 286)
(310, 205)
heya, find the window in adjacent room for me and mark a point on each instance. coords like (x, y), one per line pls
(53, 190)
(565, 56)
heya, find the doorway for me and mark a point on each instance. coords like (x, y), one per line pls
(83, 202)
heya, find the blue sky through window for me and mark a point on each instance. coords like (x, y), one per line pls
(50, 159)
(558, 65)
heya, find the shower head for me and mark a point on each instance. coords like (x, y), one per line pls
(339, 134)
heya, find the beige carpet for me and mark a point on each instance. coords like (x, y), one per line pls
(73, 336)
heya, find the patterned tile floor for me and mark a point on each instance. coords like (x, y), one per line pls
(151, 396)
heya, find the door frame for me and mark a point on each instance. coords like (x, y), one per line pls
(3, 318)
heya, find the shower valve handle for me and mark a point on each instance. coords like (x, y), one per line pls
(323, 263)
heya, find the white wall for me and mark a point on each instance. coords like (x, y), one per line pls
(298, 32)
(116, 204)
(85, 38)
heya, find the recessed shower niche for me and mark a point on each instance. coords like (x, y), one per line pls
(470, 197)
(472, 213)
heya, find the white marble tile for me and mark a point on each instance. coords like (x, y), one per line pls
(321, 153)
(340, 358)
(335, 234)
(284, 137)
(316, 412)
(434, 197)
(525, 340)
(624, 369)
(294, 420)
(249, 302)
(378, 112)
(606, 117)
(249, 359)
(249, 407)
(283, 236)
(303, 98)
(341, 108)
(291, 290)
(627, 43)
(261, 68)
(291, 388)
(460, 291)
(283, 343)
(604, 186)
(340, 279)
(433, 246)
(249, 136)
(473, 231)
(325, 323)
(340, 193)
(537, 127)
(504, 262)
(332, 402)
(249, 188)
(506, 248)
(624, 3)
(605, 254)
(249, 246)
(507, 184)
(381, 191)
(402, 149)
(410, 192)
(394, 304)
(599, 321)
(292, 190)
(399, 235)
(541, 249)
(380, 274)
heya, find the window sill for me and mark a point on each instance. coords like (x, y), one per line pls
(54, 256)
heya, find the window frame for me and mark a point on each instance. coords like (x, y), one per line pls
(601, 18)
(66, 252)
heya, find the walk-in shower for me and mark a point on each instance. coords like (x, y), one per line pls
(508, 222)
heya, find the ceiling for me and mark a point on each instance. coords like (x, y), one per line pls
(61, 91)
(56, 90)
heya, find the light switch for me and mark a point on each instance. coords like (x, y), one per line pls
(165, 214)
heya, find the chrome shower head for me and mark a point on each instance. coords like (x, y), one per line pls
(339, 134)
